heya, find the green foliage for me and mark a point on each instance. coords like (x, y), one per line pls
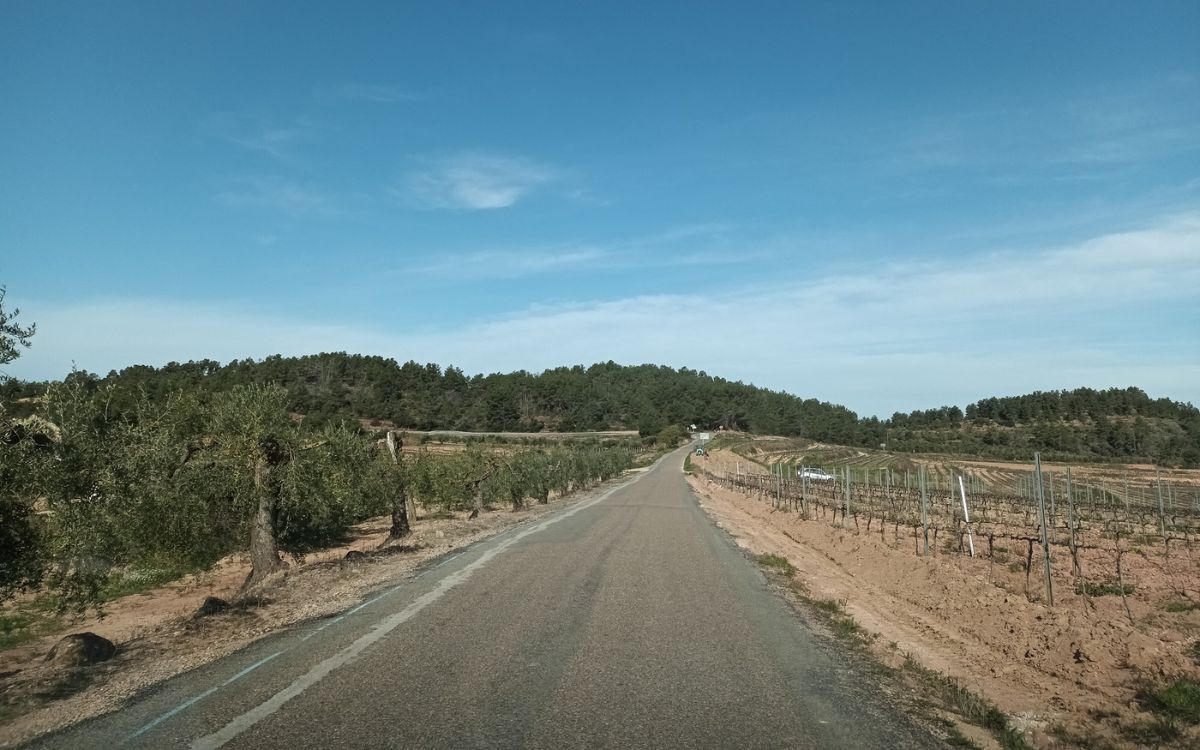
(1181, 606)
(23, 625)
(777, 563)
(13, 337)
(1105, 588)
(333, 482)
(21, 531)
(605, 396)
(670, 436)
(169, 483)
(1083, 424)
(1179, 700)
(952, 695)
(1153, 732)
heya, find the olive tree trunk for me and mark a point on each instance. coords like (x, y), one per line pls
(264, 551)
(401, 526)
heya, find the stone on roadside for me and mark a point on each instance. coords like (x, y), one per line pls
(211, 606)
(81, 650)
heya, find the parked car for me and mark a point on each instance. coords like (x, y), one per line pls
(813, 474)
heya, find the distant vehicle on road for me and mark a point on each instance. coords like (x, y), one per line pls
(813, 474)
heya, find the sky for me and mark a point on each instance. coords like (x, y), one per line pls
(886, 205)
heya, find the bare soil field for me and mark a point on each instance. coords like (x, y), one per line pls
(1070, 675)
(159, 635)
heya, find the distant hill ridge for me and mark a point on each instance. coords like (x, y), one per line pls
(1082, 424)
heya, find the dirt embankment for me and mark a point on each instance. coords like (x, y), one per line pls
(1068, 671)
(158, 634)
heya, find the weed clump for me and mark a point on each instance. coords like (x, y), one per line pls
(1180, 700)
(1181, 606)
(955, 697)
(777, 563)
(1105, 588)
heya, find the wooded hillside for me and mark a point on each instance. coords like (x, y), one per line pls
(1081, 425)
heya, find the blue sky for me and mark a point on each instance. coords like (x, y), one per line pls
(886, 205)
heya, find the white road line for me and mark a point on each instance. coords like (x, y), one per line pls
(202, 696)
(385, 626)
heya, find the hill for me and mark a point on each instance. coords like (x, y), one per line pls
(1099, 425)
(604, 396)
(1118, 424)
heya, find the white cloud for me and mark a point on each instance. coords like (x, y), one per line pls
(902, 337)
(475, 181)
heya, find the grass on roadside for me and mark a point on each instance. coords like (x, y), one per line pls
(1174, 711)
(20, 626)
(42, 615)
(142, 580)
(953, 696)
(778, 564)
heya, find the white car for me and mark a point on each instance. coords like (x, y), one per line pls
(814, 475)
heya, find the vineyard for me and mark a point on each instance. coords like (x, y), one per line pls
(1097, 531)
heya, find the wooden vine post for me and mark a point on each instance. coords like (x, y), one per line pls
(1162, 522)
(1072, 522)
(966, 515)
(1041, 497)
(1053, 510)
(924, 508)
(846, 509)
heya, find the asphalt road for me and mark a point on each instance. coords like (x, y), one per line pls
(628, 620)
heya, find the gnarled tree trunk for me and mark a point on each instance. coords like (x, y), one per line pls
(476, 499)
(400, 521)
(264, 552)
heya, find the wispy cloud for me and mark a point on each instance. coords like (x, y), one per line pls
(366, 92)
(278, 194)
(1154, 119)
(1091, 135)
(695, 244)
(277, 139)
(475, 181)
(500, 264)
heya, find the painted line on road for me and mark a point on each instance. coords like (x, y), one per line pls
(202, 696)
(324, 668)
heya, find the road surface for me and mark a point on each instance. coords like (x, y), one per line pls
(627, 620)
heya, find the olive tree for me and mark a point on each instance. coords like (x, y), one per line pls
(20, 537)
(13, 336)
